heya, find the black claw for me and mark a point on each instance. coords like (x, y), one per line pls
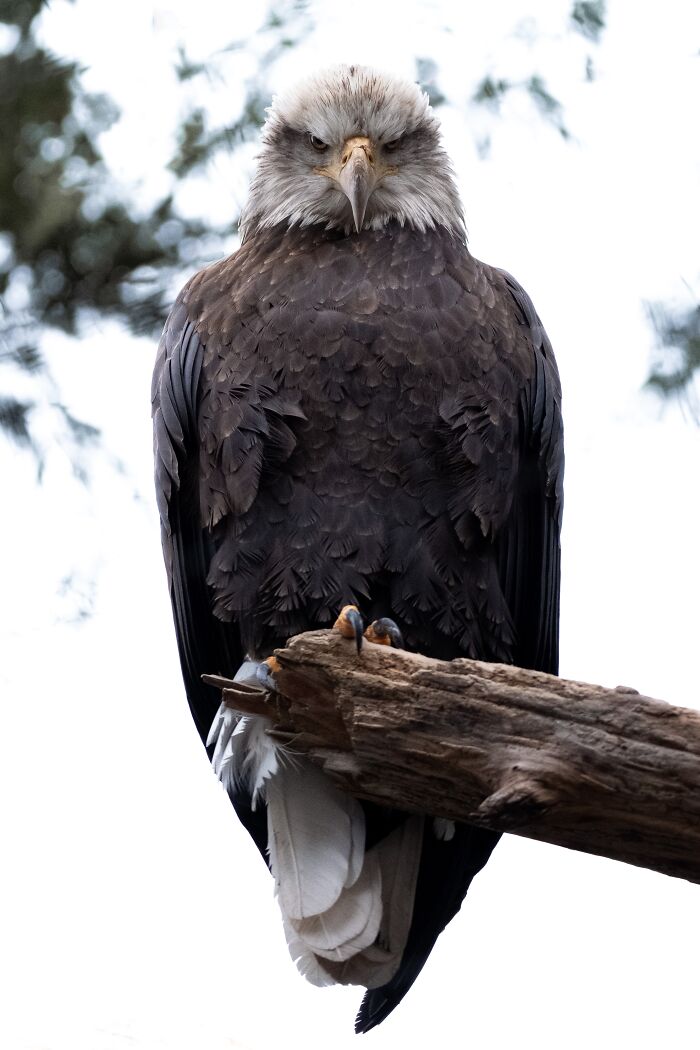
(358, 626)
(385, 627)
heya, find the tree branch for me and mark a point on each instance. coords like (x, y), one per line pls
(606, 771)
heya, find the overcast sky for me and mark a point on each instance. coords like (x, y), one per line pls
(136, 911)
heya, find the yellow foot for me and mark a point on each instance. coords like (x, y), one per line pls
(266, 671)
(350, 624)
(384, 632)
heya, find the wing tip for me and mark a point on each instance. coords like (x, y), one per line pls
(376, 1006)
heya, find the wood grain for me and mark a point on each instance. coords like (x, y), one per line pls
(605, 771)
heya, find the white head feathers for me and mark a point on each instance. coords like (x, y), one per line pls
(306, 142)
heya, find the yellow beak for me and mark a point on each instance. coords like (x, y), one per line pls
(357, 176)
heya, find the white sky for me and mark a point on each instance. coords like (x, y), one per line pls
(136, 912)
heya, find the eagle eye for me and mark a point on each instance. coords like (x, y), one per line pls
(393, 145)
(318, 144)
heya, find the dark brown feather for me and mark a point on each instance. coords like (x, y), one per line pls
(371, 410)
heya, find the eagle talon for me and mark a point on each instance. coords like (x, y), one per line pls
(385, 632)
(265, 673)
(350, 624)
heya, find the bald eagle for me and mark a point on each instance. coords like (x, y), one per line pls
(352, 410)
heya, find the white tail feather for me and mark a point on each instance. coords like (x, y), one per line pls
(225, 719)
(346, 913)
(222, 727)
(357, 849)
(307, 963)
(310, 838)
(399, 859)
(261, 755)
(352, 924)
(243, 753)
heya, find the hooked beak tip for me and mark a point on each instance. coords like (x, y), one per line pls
(358, 220)
(357, 180)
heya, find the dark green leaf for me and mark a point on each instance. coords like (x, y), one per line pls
(490, 91)
(426, 75)
(14, 419)
(547, 104)
(588, 18)
(678, 348)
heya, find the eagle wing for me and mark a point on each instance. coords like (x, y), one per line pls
(204, 641)
(528, 546)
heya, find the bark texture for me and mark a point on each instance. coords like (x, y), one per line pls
(606, 771)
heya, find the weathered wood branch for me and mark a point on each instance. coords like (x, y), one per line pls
(606, 771)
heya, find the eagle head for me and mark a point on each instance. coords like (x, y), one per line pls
(351, 148)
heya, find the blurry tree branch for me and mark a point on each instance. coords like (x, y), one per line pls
(588, 18)
(75, 249)
(72, 245)
(605, 771)
(678, 357)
